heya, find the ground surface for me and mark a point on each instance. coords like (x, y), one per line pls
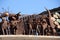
(28, 37)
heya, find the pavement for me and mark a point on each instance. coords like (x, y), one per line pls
(28, 37)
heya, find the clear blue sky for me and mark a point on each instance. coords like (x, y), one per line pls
(28, 6)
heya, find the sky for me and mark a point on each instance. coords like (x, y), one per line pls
(28, 6)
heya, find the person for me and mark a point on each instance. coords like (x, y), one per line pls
(13, 26)
(44, 25)
(39, 29)
(4, 26)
